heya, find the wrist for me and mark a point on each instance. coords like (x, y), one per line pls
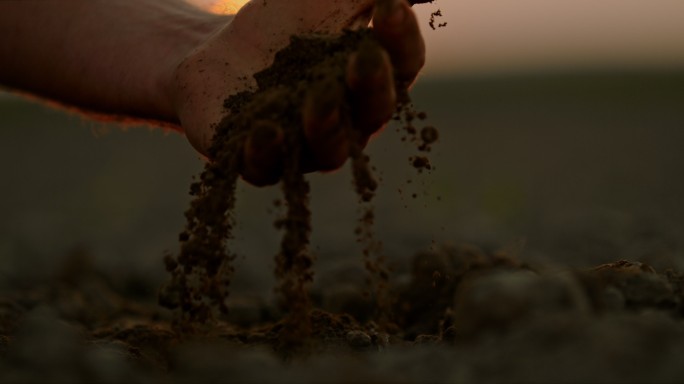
(115, 58)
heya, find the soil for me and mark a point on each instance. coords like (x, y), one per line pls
(202, 271)
(433, 20)
(462, 314)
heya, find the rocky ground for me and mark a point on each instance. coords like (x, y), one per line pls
(459, 315)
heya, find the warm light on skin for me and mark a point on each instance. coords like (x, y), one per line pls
(220, 7)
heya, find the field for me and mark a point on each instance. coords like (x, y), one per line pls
(553, 173)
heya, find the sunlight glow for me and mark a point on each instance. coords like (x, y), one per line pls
(220, 7)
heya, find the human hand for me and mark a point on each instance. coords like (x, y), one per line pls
(225, 63)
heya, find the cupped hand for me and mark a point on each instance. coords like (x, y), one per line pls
(225, 64)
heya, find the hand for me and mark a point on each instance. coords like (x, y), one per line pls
(225, 63)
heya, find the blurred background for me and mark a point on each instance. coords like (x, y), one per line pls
(561, 128)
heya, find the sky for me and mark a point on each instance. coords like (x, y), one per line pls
(484, 36)
(494, 36)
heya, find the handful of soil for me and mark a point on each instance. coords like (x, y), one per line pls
(202, 271)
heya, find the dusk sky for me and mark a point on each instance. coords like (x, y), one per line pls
(525, 35)
(492, 36)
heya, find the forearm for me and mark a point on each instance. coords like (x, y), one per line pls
(108, 56)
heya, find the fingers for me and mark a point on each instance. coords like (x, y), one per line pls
(370, 79)
(325, 128)
(263, 154)
(396, 27)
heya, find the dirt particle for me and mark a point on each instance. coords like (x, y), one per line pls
(429, 135)
(420, 163)
(433, 16)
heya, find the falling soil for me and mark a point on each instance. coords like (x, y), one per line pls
(201, 273)
(433, 20)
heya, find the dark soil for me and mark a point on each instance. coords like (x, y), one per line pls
(461, 314)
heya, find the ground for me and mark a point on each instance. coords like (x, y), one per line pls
(540, 180)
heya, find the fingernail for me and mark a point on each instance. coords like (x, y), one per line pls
(391, 11)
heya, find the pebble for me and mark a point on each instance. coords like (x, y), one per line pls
(358, 339)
